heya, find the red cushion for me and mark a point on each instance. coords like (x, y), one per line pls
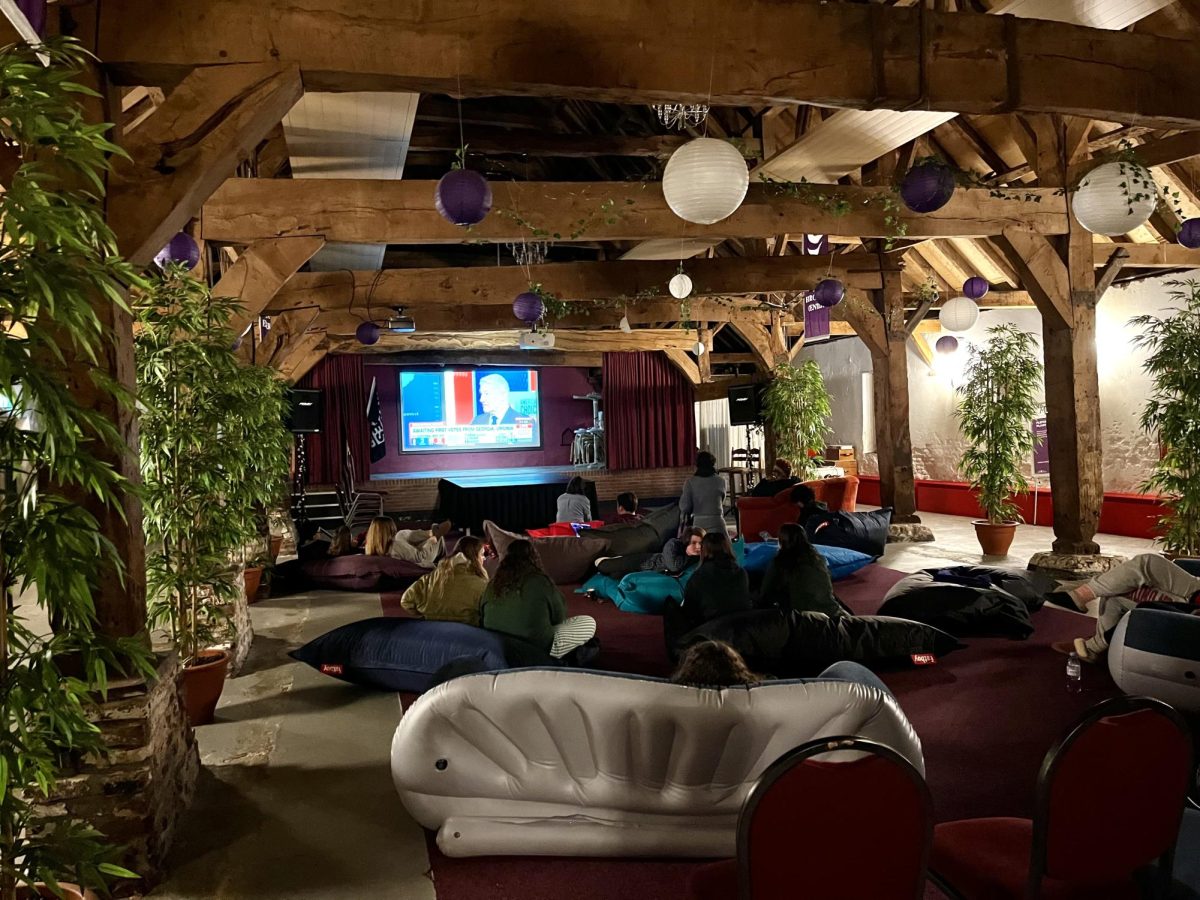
(715, 881)
(988, 859)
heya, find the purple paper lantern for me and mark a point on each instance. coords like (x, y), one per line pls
(35, 12)
(180, 249)
(927, 188)
(829, 292)
(528, 307)
(946, 345)
(1189, 234)
(463, 197)
(976, 287)
(367, 333)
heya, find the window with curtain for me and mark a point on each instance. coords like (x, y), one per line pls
(719, 438)
(344, 394)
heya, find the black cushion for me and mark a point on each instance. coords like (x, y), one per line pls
(792, 644)
(970, 600)
(866, 532)
(625, 539)
(397, 654)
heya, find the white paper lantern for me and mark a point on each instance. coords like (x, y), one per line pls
(959, 314)
(698, 348)
(1103, 206)
(624, 324)
(705, 181)
(680, 286)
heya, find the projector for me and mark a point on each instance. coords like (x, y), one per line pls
(400, 323)
(536, 340)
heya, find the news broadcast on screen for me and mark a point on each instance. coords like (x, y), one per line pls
(469, 409)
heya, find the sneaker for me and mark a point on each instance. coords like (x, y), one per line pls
(1082, 651)
(1065, 600)
(1066, 648)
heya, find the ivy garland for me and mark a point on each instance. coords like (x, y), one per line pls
(606, 214)
(817, 195)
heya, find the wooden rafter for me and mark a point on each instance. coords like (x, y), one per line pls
(770, 54)
(258, 274)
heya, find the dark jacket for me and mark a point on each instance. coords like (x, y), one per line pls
(769, 487)
(673, 559)
(716, 588)
(805, 587)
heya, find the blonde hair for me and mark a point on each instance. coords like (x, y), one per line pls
(380, 535)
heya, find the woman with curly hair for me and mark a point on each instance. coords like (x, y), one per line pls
(522, 601)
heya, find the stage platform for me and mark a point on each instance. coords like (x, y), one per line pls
(491, 477)
(516, 501)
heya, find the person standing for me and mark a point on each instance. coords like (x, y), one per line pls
(522, 602)
(573, 505)
(703, 496)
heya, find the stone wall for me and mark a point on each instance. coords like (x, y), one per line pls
(137, 794)
(1129, 453)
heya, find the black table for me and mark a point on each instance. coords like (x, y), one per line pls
(516, 500)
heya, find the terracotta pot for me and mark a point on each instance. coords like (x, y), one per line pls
(276, 546)
(253, 576)
(69, 891)
(203, 681)
(995, 539)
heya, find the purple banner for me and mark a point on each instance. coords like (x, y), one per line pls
(816, 244)
(1041, 447)
(816, 319)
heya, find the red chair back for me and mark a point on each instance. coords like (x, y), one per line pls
(1121, 772)
(836, 830)
(839, 494)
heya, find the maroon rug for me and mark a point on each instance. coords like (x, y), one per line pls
(986, 715)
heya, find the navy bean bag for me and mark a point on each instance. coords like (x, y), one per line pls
(790, 644)
(970, 600)
(396, 654)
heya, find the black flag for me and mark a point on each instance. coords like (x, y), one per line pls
(375, 426)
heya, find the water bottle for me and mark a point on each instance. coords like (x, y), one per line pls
(1074, 674)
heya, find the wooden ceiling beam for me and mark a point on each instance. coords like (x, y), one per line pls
(685, 364)
(244, 210)
(770, 54)
(638, 280)
(498, 142)
(189, 145)
(592, 341)
(1151, 256)
(260, 272)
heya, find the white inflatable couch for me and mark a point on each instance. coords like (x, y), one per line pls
(1156, 653)
(575, 763)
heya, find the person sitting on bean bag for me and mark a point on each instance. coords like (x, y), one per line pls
(798, 577)
(573, 505)
(627, 510)
(451, 592)
(522, 601)
(415, 545)
(715, 664)
(677, 556)
(718, 586)
(804, 497)
(1146, 578)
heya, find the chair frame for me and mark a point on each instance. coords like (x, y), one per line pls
(1116, 706)
(356, 506)
(804, 752)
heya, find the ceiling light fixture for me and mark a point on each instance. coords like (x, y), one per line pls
(681, 115)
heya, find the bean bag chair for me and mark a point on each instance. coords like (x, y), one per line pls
(842, 561)
(565, 762)
(1156, 653)
(403, 654)
(356, 572)
(560, 529)
(627, 539)
(970, 600)
(639, 592)
(866, 532)
(791, 644)
(567, 560)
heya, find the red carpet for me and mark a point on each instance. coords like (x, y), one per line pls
(986, 715)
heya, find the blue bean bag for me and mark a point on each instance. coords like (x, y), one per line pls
(396, 654)
(639, 592)
(842, 561)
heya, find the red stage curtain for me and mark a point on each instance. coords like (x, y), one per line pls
(649, 412)
(343, 385)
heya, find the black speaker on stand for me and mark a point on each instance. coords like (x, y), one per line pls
(745, 404)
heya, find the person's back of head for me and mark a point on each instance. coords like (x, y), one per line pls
(794, 547)
(803, 495)
(627, 502)
(380, 534)
(706, 464)
(343, 542)
(782, 469)
(519, 563)
(715, 547)
(713, 664)
(575, 485)
(471, 548)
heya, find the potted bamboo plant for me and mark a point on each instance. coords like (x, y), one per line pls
(1173, 413)
(58, 258)
(997, 403)
(213, 452)
(796, 409)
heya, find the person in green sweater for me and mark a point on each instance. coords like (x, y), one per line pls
(798, 577)
(522, 602)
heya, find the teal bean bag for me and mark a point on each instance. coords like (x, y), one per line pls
(639, 592)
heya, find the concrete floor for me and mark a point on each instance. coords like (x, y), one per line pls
(295, 799)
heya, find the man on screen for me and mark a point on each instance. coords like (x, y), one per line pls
(493, 397)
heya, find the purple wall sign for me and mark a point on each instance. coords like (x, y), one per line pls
(816, 319)
(1041, 447)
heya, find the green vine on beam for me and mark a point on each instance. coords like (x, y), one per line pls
(818, 196)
